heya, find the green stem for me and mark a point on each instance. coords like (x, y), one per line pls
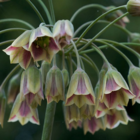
(9, 76)
(84, 47)
(12, 29)
(82, 64)
(48, 122)
(52, 11)
(70, 64)
(86, 7)
(63, 59)
(6, 42)
(54, 60)
(46, 11)
(96, 20)
(77, 55)
(35, 9)
(101, 21)
(86, 58)
(74, 63)
(122, 54)
(17, 20)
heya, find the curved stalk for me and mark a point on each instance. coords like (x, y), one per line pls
(35, 9)
(6, 42)
(82, 64)
(101, 21)
(70, 64)
(97, 35)
(86, 7)
(17, 20)
(52, 11)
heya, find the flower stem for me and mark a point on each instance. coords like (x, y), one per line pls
(77, 54)
(17, 20)
(86, 7)
(52, 11)
(6, 42)
(35, 9)
(82, 64)
(48, 122)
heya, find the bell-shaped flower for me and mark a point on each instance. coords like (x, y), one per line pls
(13, 88)
(115, 90)
(133, 7)
(54, 87)
(23, 112)
(18, 50)
(63, 32)
(114, 15)
(80, 91)
(2, 106)
(92, 125)
(31, 86)
(134, 83)
(65, 77)
(42, 44)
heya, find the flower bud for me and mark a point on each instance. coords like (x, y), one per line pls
(80, 91)
(134, 83)
(54, 87)
(14, 87)
(133, 7)
(23, 112)
(65, 77)
(63, 31)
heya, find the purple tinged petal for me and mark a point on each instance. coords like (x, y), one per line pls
(81, 87)
(29, 98)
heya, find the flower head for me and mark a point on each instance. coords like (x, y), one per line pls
(80, 91)
(63, 31)
(23, 112)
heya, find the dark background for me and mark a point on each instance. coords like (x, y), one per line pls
(64, 10)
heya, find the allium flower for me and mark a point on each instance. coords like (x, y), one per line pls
(134, 82)
(31, 86)
(63, 31)
(80, 91)
(92, 125)
(42, 45)
(23, 112)
(13, 88)
(18, 50)
(115, 90)
(133, 7)
(114, 15)
(54, 88)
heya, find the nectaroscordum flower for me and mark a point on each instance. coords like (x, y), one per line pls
(115, 90)
(54, 87)
(80, 91)
(23, 112)
(42, 44)
(134, 82)
(31, 86)
(18, 50)
(63, 31)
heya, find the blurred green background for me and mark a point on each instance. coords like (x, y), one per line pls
(64, 9)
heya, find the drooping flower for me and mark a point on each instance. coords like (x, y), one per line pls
(133, 7)
(54, 87)
(31, 86)
(114, 15)
(134, 82)
(13, 88)
(18, 50)
(80, 91)
(63, 32)
(115, 90)
(42, 44)
(23, 112)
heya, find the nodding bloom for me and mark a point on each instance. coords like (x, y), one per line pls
(63, 32)
(42, 44)
(80, 91)
(114, 15)
(115, 90)
(133, 7)
(116, 116)
(13, 88)
(31, 86)
(54, 87)
(134, 83)
(92, 125)
(18, 50)
(2, 106)
(23, 112)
